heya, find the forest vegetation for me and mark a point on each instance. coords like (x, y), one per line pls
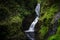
(17, 15)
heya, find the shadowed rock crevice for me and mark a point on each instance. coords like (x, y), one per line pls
(27, 21)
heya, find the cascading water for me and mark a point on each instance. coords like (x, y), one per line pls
(30, 32)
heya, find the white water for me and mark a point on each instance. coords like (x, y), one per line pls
(32, 26)
(37, 10)
(31, 29)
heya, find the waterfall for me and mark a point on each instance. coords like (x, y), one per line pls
(31, 30)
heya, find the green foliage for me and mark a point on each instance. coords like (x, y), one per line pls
(49, 13)
(43, 30)
(12, 13)
(56, 36)
(48, 10)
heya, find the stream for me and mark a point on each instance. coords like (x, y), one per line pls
(30, 32)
